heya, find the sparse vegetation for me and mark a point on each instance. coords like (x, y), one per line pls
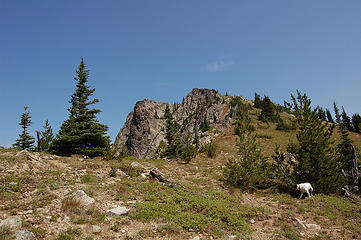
(207, 211)
(197, 204)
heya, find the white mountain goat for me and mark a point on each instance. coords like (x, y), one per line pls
(305, 187)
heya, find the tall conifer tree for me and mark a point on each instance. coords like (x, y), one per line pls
(317, 162)
(346, 120)
(82, 133)
(25, 142)
(329, 116)
(356, 122)
(269, 112)
(345, 147)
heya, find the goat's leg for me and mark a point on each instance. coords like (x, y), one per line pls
(308, 193)
(301, 194)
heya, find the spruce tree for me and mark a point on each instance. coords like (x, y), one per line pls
(329, 116)
(45, 137)
(321, 114)
(356, 122)
(172, 136)
(257, 101)
(317, 162)
(25, 142)
(251, 169)
(346, 120)
(345, 147)
(82, 133)
(269, 112)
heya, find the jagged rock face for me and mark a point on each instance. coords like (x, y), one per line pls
(145, 127)
(143, 130)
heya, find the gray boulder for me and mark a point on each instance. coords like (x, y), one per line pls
(24, 235)
(12, 223)
(84, 200)
(117, 211)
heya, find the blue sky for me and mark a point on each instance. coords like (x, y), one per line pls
(161, 49)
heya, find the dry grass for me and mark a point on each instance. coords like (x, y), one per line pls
(71, 205)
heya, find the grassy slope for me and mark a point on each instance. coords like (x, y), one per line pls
(200, 207)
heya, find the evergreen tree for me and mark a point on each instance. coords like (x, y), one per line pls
(205, 126)
(82, 133)
(269, 112)
(25, 142)
(356, 122)
(344, 148)
(189, 151)
(172, 136)
(314, 150)
(250, 170)
(45, 137)
(257, 101)
(346, 120)
(321, 114)
(329, 116)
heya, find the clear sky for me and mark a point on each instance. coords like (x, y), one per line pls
(161, 49)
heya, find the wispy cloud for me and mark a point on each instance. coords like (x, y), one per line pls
(219, 66)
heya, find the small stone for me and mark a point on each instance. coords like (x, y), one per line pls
(232, 237)
(123, 231)
(144, 175)
(137, 165)
(27, 212)
(66, 219)
(47, 218)
(96, 229)
(196, 238)
(252, 220)
(117, 211)
(13, 183)
(24, 235)
(191, 230)
(313, 226)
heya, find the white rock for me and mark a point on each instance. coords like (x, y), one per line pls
(144, 175)
(13, 223)
(313, 226)
(118, 211)
(232, 237)
(24, 235)
(137, 165)
(196, 238)
(252, 220)
(96, 229)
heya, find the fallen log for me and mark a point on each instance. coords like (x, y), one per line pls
(154, 173)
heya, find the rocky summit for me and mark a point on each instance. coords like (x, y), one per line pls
(144, 129)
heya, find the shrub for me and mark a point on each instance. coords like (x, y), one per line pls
(286, 125)
(211, 149)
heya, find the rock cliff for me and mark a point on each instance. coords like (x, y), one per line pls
(203, 113)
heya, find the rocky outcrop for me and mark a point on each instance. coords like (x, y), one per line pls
(144, 129)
